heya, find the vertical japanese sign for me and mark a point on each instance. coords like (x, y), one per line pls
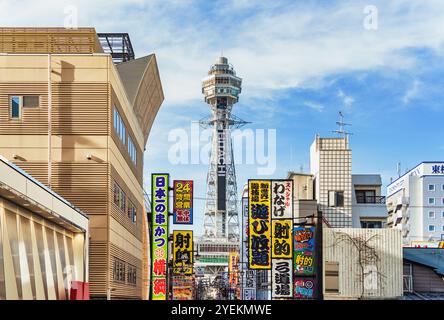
(282, 278)
(233, 269)
(183, 202)
(282, 239)
(304, 288)
(248, 276)
(259, 203)
(304, 250)
(183, 252)
(159, 256)
(282, 199)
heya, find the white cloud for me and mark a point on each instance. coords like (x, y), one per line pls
(346, 99)
(277, 47)
(314, 105)
(412, 91)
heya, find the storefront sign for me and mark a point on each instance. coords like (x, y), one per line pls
(281, 238)
(182, 252)
(282, 199)
(304, 288)
(183, 202)
(282, 277)
(159, 209)
(304, 250)
(259, 203)
(183, 287)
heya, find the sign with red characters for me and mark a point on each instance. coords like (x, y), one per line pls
(183, 202)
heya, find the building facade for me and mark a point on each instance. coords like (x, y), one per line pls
(78, 123)
(415, 204)
(369, 209)
(43, 240)
(331, 166)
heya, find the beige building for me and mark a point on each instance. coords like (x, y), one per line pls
(305, 204)
(331, 166)
(362, 263)
(65, 103)
(43, 239)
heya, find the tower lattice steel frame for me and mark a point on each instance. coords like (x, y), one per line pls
(221, 89)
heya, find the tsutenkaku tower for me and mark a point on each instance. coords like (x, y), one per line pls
(221, 89)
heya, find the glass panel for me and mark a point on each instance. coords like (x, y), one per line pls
(61, 245)
(51, 249)
(11, 224)
(69, 243)
(31, 101)
(26, 231)
(41, 252)
(15, 107)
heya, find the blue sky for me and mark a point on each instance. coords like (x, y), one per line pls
(301, 62)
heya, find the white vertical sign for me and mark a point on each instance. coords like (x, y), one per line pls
(282, 278)
(282, 199)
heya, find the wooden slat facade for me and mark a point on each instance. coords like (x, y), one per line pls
(124, 290)
(49, 40)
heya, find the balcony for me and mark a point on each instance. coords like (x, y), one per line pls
(361, 199)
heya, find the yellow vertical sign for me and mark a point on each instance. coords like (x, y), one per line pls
(282, 245)
(259, 238)
(182, 252)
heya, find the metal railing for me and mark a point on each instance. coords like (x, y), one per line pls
(370, 199)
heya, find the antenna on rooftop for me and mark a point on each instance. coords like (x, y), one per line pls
(342, 124)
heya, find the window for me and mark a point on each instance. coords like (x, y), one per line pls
(119, 126)
(431, 187)
(118, 270)
(432, 201)
(365, 196)
(119, 197)
(443, 187)
(132, 274)
(31, 101)
(132, 150)
(16, 109)
(336, 198)
(431, 214)
(443, 227)
(431, 228)
(132, 213)
(442, 214)
(371, 224)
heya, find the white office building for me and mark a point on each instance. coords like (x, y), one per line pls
(415, 204)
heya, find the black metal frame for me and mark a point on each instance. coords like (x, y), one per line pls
(118, 45)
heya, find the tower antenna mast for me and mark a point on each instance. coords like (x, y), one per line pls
(342, 132)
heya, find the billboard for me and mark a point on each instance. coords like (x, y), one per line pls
(282, 241)
(183, 287)
(304, 250)
(233, 269)
(282, 199)
(282, 278)
(221, 170)
(183, 202)
(259, 206)
(182, 252)
(304, 288)
(159, 254)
